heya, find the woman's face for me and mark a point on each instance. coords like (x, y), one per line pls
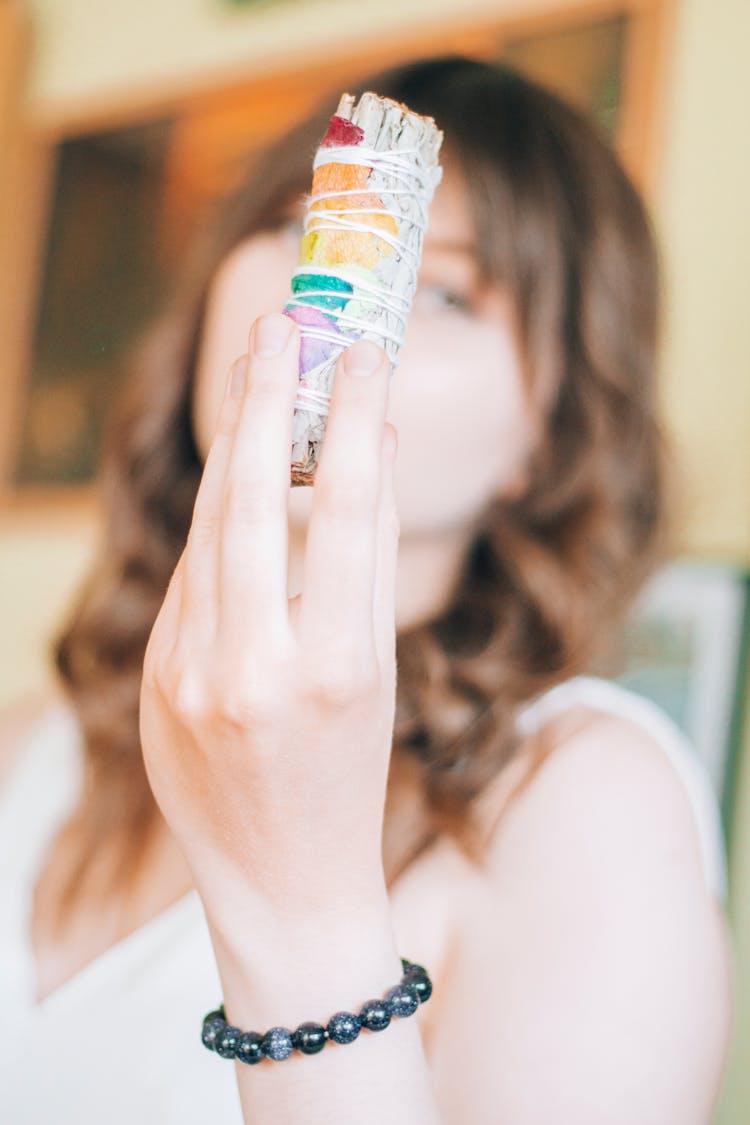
(457, 398)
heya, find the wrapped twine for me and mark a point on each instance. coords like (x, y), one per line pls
(374, 175)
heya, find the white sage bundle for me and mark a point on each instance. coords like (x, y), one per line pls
(374, 175)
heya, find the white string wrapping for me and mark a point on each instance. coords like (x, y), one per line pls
(404, 183)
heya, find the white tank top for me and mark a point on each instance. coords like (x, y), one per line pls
(120, 1042)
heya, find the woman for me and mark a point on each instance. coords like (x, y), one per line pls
(528, 835)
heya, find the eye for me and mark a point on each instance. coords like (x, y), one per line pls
(435, 298)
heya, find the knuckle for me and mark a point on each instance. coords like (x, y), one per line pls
(247, 699)
(340, 685)
(263, 386)
(243, 709)
(247, 502)
(189, 695)
(228, 702)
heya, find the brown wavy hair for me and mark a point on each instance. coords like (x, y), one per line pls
(548, 575)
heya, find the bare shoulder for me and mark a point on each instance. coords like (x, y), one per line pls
(609, 790)
(16, 720)
(592, 948)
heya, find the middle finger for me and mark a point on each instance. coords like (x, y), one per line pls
(336, 617)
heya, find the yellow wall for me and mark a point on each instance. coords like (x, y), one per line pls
(94, 49)
(43, 555)
(703, 216)
(703, 212)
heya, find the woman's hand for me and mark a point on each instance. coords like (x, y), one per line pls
(266, 723)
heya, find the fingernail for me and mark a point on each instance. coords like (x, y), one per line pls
(237, 377)
(271, 334)
(362, 358)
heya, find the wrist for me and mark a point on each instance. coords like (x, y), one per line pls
(234, 905)
(287, 970)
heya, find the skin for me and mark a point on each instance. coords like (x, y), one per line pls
(465, 422)
(589, 945)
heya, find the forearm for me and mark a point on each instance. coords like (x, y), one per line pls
(292, 973)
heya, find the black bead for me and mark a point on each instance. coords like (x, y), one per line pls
(310, 1038)
(277, 1043)
(402, 1000)
(226, 1042)
(419, 980)
(343, 1027)
(375, 1015)
(250, 1048)
(212, 1028)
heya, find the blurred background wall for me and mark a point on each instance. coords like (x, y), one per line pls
(173, 78)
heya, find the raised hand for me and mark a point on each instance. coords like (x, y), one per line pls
(266, 722)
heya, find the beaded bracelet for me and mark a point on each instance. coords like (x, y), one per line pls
(278, 1043)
